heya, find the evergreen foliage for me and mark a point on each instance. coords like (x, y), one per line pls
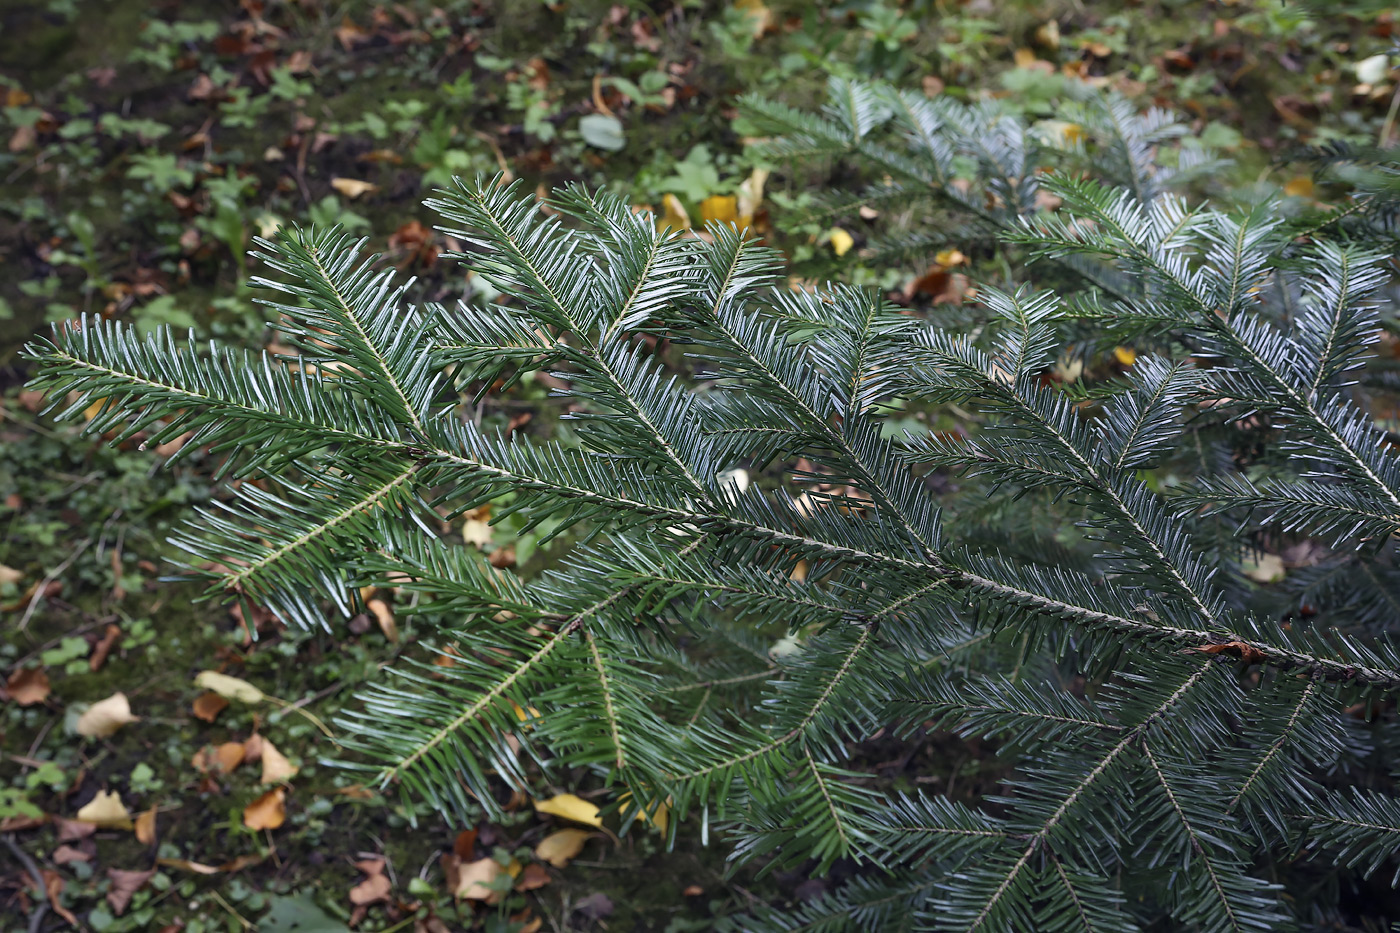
(1187, 748)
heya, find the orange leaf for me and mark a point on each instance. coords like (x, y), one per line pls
(146, 827)
(208, 706)
(1236, 649)
(267, 812)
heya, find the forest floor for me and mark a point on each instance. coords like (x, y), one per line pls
(145, 144)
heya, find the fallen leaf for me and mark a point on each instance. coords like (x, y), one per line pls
(230, 688)
(28, 686)
(275, 766)
(65, 854)
(104, 647)
(229, 755)
(476, 531)
(106, 809)
(1126, 356)
(1299, 187)
(372, 890)
(53, 887)
(558, 849)
(385, 616)
(841, 241)
(267, 812)
(1268, 568)
(10, 575)
(751, 196)
(534, 876)
(353, 188)
(720, 208)
(474, 880)
(105, 717)
(146, 827)
(693, 890)
(124, 885)
(673, 213)
(760, 17)
(570, 807)
(464, 846)
(1236, 649)
(197, 868)
(209, 705)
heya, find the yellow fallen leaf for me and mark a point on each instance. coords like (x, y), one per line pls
(353, 188)
(570, 807)
(105, 717)
(267, 812)
(721, 208)
(1126, 356)
(947, 258)
(559, 848)
(673, 213)
(474, 880)
(106, 809)
(659, 817)
(230, 688)
(146, 827)
(1300, 187)
(275, 766)
(525, 714)
(841, 241)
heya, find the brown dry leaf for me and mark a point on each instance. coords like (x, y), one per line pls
(1236, 649)
(464, 846)
(105, 646)
(474, 880)
(534, 876)
(209, 705)
(373, 889)
(53, 887)
(124, 885)
(267, 812)
(275, 767)
(146, 827)
(353, 188)
(693, 890)
(558, 849)
(106, 809)
(570, 807)
(385, 617)
(65, 854)
(28, 686)
(105, 717)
